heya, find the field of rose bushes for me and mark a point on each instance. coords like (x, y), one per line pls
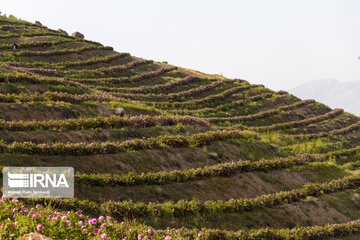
(77, 149)
(225, 106)
(149, 88)
(348, 129)
(141, 121)
(132, 79)
(332, 114)
(172, 96)
(208, 100)
(29, 53)
(58, 96)
(211, 151)
(130, 210)
(18, 218)
(220, 170)
(30, 44)
(31, 34)
(261, 114)
(83, 72)
(67, 64)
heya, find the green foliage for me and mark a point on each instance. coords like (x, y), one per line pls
(77, 91)
(180, 128)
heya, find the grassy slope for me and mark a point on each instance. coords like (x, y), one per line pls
(141, 89)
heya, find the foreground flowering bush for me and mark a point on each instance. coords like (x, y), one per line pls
(18, 219)
(77, 149)
(142, 121)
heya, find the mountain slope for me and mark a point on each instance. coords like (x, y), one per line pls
(156, 146)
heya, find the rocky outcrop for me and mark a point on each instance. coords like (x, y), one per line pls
(34, 236)
(78, 35)
(120, 111)
(62, 31)
(38, 23)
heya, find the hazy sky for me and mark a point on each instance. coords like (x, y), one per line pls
(280, 43)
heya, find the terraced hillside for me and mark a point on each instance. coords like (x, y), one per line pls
(166, 152)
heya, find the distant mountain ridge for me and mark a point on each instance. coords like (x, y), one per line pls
(332, 92)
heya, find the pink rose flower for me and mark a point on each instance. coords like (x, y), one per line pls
(40, 227)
